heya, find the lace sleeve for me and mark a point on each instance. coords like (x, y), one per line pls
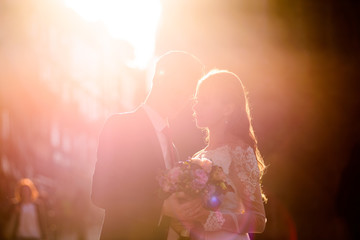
(247, 171)
(245, 175)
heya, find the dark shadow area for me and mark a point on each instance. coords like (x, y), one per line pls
(298, 60)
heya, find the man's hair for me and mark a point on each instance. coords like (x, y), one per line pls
(178, 67)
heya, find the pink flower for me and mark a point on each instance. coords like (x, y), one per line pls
(164, 183)
(201, 176)
(200, 179)
(174, 174)
(166, 186)
(204, 163)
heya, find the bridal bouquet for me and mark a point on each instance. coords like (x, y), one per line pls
(197, 178)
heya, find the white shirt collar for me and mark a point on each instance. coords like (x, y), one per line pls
(158, 121)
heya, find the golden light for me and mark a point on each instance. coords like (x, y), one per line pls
(132, 20)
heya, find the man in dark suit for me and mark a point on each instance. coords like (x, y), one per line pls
(133, 148)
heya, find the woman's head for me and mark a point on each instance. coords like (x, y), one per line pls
(26, 191)
(221, 102)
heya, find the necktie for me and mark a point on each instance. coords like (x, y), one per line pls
(170, 146)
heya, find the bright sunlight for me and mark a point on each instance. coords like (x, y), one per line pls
(134, 21)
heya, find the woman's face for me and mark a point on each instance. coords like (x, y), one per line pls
(209, 110)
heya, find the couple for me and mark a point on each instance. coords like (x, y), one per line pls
(134, 148)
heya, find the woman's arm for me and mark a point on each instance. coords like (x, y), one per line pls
(245, 174)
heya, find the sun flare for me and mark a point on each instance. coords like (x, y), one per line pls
(132, 20)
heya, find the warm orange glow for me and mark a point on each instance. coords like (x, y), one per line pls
(132, 20)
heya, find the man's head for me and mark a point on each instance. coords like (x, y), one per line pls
(174, 82)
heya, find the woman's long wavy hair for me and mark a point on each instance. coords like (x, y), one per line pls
(231, 90)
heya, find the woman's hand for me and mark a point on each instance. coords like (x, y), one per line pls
(196, 213)
(186, 209)
(176, 204)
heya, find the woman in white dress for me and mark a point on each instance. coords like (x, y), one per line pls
(27, 213)
(221, 107)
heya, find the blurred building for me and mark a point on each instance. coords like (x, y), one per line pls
(60, 78)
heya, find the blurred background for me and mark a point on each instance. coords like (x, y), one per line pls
(67, 65)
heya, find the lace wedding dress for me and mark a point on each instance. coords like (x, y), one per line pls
(239, 209)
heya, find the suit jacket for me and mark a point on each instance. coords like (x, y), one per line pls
(129, 158)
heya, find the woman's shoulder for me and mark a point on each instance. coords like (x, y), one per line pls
(242, 152)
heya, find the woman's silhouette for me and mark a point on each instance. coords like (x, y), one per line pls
(221, 107)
